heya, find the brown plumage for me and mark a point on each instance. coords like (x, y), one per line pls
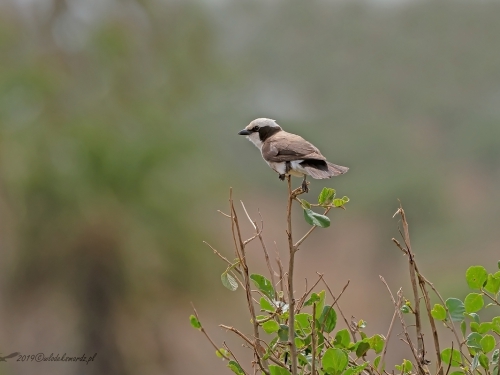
(289, 154)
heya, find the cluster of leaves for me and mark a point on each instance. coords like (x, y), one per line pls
(480, 342)
(327, 200)
(335, 352)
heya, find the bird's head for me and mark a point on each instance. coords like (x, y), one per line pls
(259, 130)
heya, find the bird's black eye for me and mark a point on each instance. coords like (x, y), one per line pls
(255, 128)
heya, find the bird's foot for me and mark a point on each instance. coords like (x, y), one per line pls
(305, 188)
(282, 177)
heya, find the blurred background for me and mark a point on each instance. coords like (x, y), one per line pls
(118, 144)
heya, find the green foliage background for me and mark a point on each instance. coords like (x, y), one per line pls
(118, 142)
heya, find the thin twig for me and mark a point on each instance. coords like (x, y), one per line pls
(336, 302)
(280, 267)
(206, 334)
(259, 234)
(246, 279)
(235, 359)
(403, 323)
(313, 341)
(386, 343)
(291, 298)
(299, 242)
(414, 282)
(221, 256)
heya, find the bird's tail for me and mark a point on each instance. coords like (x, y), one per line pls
(335, 169)
(320, 169)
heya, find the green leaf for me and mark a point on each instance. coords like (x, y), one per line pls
(405, 309)
(488, 343)
(356, 370)
(303, 322)
(362, 348)
(320, 304)
(345, 199)
(222, 353)
(463, 327)
(229, 281)
(361, 324)
(376, 362)
(278, 370)
(377, 343)
(328, 319)
(475, 363)
(313, 218)
(476, 276)
(474, 317)
(305, 204)
(473, 341)
(456, 309)
(266, 305)
(299, 343)
(326, 196)
(448, 356)
(271, 326)
(342, 339)
(283, 333)
(494, 357)
(338, 202)
(483, 361)
(473, 302)
(263, 284)
(236, 368)
(438, 312)
(474, 326)
(407, 366)
(485, 327)
(195, 323)
(457, 373)
(314, 298)
(492, 284)
(334, 361)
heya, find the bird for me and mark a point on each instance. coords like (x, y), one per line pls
(289, 154)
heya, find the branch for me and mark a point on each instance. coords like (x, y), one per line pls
(313, 341)
(403, 323)
(246, 279)
(291, 302)
(299, 242)
(259, 234)
(207, 336)
(413, 278)
(382, 359)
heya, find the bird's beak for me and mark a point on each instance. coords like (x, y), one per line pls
(244, 132)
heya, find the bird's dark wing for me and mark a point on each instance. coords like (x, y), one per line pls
(289, 147)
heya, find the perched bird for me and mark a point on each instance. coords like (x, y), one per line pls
(289, 154)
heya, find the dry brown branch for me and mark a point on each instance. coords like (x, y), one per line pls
(336, 302)
(234, 357)
(221, 256)
(313, 341)
(264, 248)
(291, 266)
(246, 279)
(300, 304)
(414, 285)
(403, 323)
(280, 267)
(386, 343)
(206, 334)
